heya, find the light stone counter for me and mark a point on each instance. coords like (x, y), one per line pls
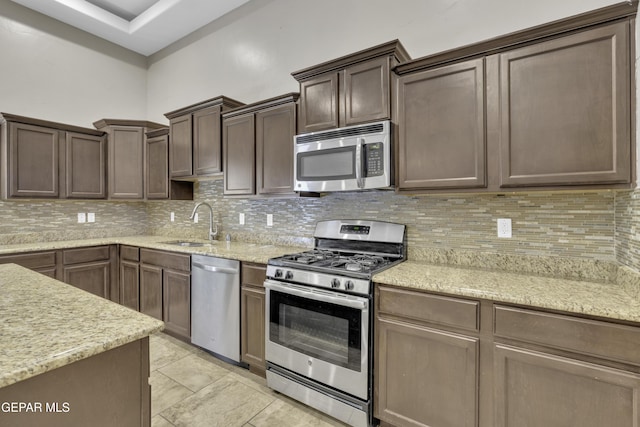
(46, 324)
(608, 300)
(247, 252)
(616, 300)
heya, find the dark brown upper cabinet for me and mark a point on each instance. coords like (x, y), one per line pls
(349, 90)
(86, 166)
(195, 138)
(441, 127)
(565, 110)
(544, 108)
(43, 159)
(258, 148)
(126, 148)
(156, 164)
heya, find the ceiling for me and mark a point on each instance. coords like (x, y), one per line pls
(143, 26)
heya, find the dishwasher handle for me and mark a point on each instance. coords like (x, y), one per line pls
(223, 270)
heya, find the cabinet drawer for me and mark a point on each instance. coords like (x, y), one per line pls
(76, 256)
(436, 309)
(590, 337)
(166, 259)
(31, 260)
(130, 253)
(253, 274)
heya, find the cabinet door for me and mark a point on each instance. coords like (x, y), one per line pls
(157, 168)
(425, 377)
(33, 161)
(319, 103)
(42, 262)
(130, 284)
(151, 290)
(177, 302)
(94, 277)
(126, 160)
(541, 390)
(207, 158)
(565, 110)
(275, 129)
(86, 166)
(180, 147)
(441, 128)
(252, 315)
(366, 92)
(238, 137)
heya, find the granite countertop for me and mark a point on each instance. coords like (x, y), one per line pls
(247, 252)
(599, 299)
(47, 324)
(609, 300)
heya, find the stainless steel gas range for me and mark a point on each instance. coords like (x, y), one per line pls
(319, 316)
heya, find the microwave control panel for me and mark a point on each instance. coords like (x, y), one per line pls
(374, 159)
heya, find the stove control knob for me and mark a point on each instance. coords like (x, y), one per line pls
(335, 283)
(349, 285)
(289, 275)
(278, 273)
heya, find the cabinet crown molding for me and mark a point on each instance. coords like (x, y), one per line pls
(45, 123)
(618, 11)
(102, 123)
(393, 47)
(261, 105)
(224, 102)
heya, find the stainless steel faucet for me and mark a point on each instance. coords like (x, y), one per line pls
(213, 229)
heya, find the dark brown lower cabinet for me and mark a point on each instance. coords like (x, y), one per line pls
(165, 290)
(537, 389)
(252, 317)
(424, 376)
(444, 361)
(42, 262)
(151, 290)
(130, 277)
(92, 269)
(176, 290)
(92, 277)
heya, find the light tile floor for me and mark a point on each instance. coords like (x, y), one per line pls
(191, 388)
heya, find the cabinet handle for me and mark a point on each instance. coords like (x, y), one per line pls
(215, 269)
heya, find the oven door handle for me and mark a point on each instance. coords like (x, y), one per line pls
(316, 295)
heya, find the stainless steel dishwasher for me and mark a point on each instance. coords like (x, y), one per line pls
(215, 305)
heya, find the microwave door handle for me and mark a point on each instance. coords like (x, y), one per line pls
(359, 157)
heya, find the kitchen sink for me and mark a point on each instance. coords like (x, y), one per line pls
(186, 243)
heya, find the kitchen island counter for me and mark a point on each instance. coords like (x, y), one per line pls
(47, 324)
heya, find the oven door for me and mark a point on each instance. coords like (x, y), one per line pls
(319, 334)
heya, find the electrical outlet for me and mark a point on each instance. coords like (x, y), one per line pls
(241, 219)
(504, 228)
(82, 217)
(91, 217)
(173, 216)
(269, 220)
(195, 218)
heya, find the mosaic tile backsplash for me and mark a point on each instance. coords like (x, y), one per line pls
(594, 227)
(29, 221)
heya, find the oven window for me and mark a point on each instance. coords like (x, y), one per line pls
(321, 330)
(336, 163)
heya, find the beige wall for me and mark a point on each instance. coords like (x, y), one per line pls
(250, 53)
(55, 72)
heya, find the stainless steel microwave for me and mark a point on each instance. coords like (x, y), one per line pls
(345, 159)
